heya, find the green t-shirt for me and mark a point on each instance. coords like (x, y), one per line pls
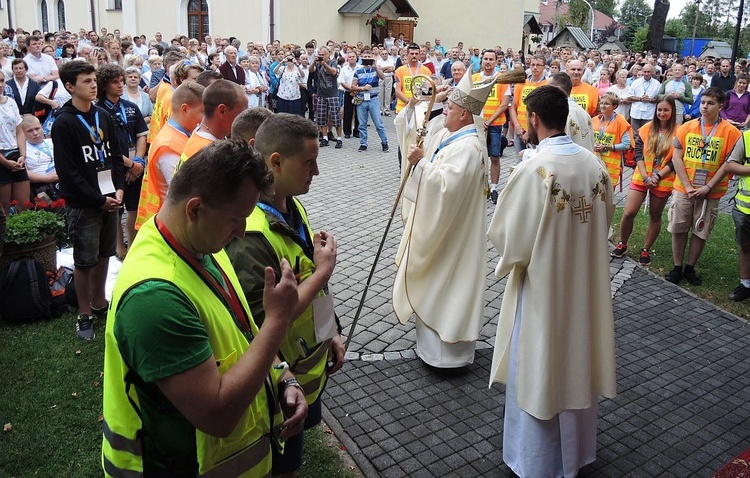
(160, 334)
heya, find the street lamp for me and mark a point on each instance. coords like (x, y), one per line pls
(591, 10)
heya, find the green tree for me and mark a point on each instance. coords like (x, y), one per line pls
(639, 39)
(704, 27)
(578, 15)
(634, 14)
(676, 28)
(608, 7)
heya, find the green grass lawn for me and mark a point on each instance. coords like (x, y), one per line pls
(717, 266)
(50, 381)
(51, 396)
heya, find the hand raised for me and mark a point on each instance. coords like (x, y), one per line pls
(324, 252)
(280, 299)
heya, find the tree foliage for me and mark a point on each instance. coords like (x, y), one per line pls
(639, 39)
(608, 7)
(716, 19)
(578, 15)
(634, 14)
(676, 28)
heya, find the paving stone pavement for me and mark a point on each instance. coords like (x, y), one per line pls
(682, 373)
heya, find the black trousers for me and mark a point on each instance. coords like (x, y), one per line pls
(350, 113)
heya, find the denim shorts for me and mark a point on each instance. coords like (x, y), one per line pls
(495, 141)
(93, 233)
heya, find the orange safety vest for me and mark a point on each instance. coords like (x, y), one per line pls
(667, 181)
(494, 100)
(403, 76)
(520, 92)
(193, 145)
(162, 110)
(610, 136)
(720, 144)
(169, 139)
(587, 97)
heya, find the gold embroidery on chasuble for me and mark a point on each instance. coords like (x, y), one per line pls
(562, 198)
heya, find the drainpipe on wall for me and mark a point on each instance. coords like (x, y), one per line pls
(7, 7)
(272, 19)
(93, 15)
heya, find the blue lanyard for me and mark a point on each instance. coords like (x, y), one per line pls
(179, 128)
(645, 85)
(94, 132)
(121, 113)
(272, 210)
(706, 140)
(451, 140)
(123, 116)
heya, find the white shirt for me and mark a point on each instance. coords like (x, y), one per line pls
(141, 50)
(639, 87)
(346, 76)
(10, 118)
(39, 157)
(385, 63)
(22, 88)
(43, 66)
(61, 95)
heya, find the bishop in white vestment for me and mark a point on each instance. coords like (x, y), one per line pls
(555, 346)
(442, 256)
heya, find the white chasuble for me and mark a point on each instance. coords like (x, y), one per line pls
(550, 229)
(442, 256)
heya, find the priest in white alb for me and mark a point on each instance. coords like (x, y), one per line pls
(443, 254)
(555, 343)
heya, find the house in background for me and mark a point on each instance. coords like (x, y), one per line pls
(612, 45)
(291, 21)
(572, 37)
(552, 13)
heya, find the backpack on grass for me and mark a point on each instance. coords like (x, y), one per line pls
(24, 292)
(58, 284)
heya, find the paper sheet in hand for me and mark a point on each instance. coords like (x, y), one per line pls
(105, 182)
(325, 323)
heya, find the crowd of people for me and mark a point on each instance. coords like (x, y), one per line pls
(221, 320)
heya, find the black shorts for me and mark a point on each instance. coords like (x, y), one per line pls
(6, 175)
(132, 194)
(291, 459)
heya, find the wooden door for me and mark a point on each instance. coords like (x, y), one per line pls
(399, 26)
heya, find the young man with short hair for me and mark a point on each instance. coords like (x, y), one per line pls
(701, 148)
(165, 152)
(131, 131)
(40, 163)
(89, 164)
(278, 230)
(493, 116)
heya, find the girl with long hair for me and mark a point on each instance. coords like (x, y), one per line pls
(653, 176)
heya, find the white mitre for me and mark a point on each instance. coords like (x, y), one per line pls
(469, 96)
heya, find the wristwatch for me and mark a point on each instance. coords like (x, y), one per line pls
(289, 382)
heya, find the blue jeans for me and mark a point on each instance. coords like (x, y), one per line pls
(371, 107)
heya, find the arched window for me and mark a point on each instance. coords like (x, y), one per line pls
(45, 18)
(197, 12)
(61, 15)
